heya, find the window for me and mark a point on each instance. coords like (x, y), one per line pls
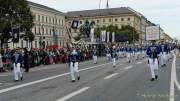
(116, 20)
(62, 22)
(104, 20)
(42, 31)
(53, 20)
(49, 19)
(39, 30)
(35, 44)
(22, 45)
(46, 19)
(59, 32)
(128, 19)
(59, 21)
(42, 18)
(80, 22)
(50, 31)
(34, 30)
(109, 20)
(38, 17)
(46, 31)
(97, 21)
(122, 19)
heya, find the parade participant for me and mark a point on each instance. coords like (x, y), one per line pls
(108, 54)
(113, 55)
(153, 52)
(95, 55)
(129, 53)
(163, 51)
(73, 62)
(18, 60)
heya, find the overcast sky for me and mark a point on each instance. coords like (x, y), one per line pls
(163, 12)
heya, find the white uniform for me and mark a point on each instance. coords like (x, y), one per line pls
(17, 67)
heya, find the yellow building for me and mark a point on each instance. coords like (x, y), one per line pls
(49, 28)
(112, 16)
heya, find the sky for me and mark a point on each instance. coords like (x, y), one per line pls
(163, 12)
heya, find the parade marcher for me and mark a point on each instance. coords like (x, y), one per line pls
(113, 55)
(108, 54)
(26, 60)
(73, 62)
(18, 60)
(95, 55)
(163, 51)
(153, 52)
(129, 53)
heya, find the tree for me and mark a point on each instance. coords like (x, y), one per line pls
(15, 13)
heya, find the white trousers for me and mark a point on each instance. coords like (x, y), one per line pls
(108, 57)
(114, 61)
(128, 57)
(163, 59)
(74, 70)
(17, 71)
(95, 59)
(153, 63)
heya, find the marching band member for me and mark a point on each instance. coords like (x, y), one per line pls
(153, 52)
(74, 65)
(113, 55)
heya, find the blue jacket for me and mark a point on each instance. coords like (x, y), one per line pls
(153, 51)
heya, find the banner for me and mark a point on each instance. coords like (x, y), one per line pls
(92, 35)
(103, 36)
(152, 33)
(108, 36)
(113, 37)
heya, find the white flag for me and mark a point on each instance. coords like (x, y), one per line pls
(107, 36)
(92, 35)
(113, 37)
(103, 36)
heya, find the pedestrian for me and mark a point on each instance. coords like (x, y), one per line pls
(18, 60)
(1, 63)
(74, 67)
(26, 60)
(153, 52)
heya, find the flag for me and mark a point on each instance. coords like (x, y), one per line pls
(113, 37)
(103, 36)
(92, 35)
(107, 6)
(108, 36)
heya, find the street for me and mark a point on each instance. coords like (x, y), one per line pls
(99, 82)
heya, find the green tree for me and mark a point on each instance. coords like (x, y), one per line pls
(15, 13)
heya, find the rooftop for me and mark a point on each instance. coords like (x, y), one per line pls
(103, 12)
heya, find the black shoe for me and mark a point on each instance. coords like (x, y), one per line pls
(152, 79)
(16, 80)
(156, 77)
(21, 78)
(73, 80)
(78, 78)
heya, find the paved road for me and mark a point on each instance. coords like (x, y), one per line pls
(100, 82)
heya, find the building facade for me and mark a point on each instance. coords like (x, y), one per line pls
(113, 16)
(49, 28)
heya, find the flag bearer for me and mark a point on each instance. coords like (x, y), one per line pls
(153, 52)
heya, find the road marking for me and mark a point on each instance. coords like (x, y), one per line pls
(0, 83)
(110, 76)
(129, 67)
(46, 79)
(73, 94)
(173, 80)
(178, 85)
(138, 63)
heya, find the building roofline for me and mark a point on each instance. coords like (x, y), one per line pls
(44, 7)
